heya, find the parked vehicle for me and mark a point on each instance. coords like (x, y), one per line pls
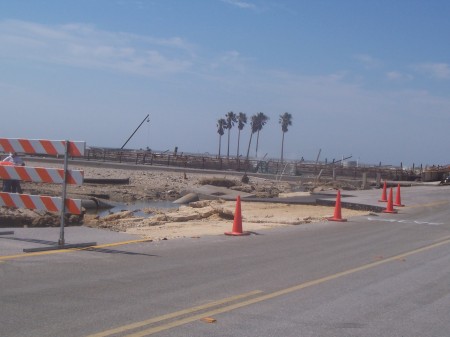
(446, 181)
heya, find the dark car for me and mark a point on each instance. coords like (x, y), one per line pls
(446, 181)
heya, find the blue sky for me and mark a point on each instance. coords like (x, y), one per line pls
(367, 79)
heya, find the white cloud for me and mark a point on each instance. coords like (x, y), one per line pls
(398, 76)
(240, 4)
(84, 45)
(231, 61)
(232, 58)
(434, 70)
(367, 61)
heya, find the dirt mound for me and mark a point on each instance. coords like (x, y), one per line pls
(10, 217)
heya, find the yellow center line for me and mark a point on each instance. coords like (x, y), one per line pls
(174, 314)
(156, 329)
(58, 251)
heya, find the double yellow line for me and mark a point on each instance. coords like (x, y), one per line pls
(175, 315)
(247, 299)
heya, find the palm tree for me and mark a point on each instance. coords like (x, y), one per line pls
(261, 121)
(254, 126)
(285, 121)
(221, 125)
(231, 118)
(242, 120)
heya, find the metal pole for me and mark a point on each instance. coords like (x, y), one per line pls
(63, 197)
(317, 160)
(135, 131)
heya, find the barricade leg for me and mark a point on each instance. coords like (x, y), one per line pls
(58, 247)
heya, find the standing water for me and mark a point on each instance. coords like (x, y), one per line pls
(136, 207)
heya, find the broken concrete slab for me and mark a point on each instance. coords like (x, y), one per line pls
(218, 192)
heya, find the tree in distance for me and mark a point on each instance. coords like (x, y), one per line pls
(221, 125)
(231, 118)
(257, 122)
(261, 120)
(241, 120)
(285, 121)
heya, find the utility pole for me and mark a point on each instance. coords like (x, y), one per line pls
(145, 119)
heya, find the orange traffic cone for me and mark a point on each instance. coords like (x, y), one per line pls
(383, 194)
(237, 223)
(337, 210)
(389, 207)
(398, 198)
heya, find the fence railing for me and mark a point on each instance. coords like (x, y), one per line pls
(269, 166)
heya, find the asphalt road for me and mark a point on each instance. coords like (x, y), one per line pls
(378, 275)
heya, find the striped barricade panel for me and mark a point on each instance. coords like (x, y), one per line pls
(46, 203)
(41, 146)
(41, 175)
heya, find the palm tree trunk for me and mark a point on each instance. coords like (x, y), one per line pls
(257, 142)
(239, 139)
(228, 151)
(282, 148)
(249, 143)
(220, 143)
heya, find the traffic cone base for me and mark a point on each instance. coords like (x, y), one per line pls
(237, 233)
(338, 220)
(383, 194)
(337, 210)
(237, 223)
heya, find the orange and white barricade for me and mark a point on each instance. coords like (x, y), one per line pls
(41, 146)
(63, 176)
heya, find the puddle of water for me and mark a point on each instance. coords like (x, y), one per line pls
(135, 207)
